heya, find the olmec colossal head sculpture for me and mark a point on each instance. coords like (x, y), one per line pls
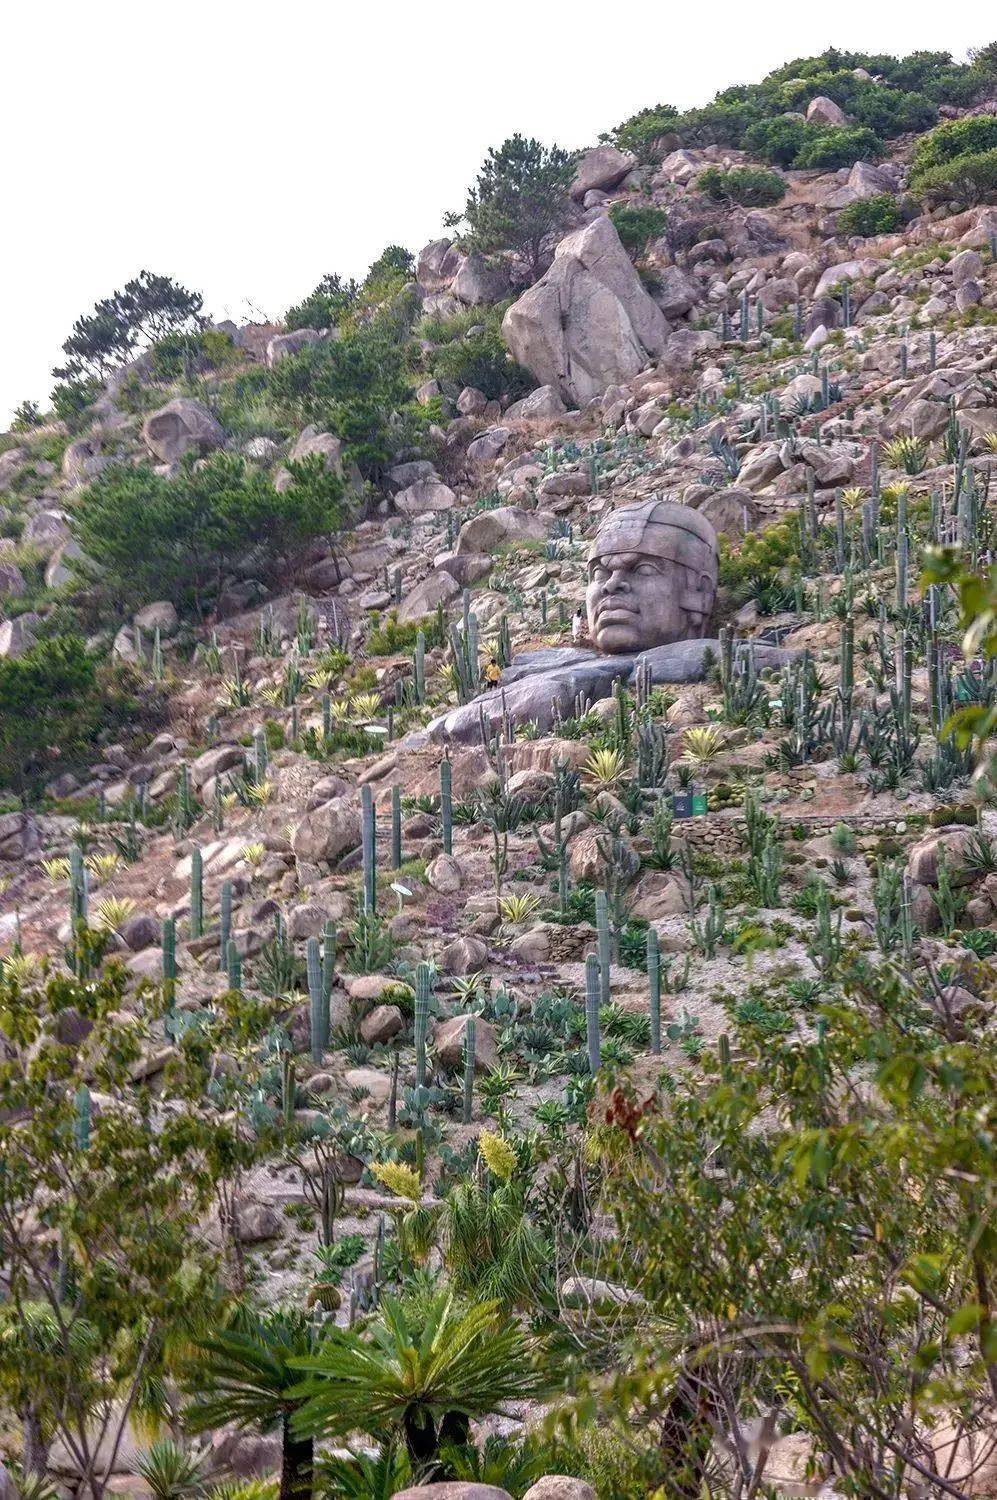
(652, 577)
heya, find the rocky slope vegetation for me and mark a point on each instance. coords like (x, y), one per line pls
(635, 1025)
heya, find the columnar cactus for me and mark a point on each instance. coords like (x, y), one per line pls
(78, 886)
(225, 928)
(317, 1013)
(169, 947)
(196, 894)
(446, 804)
(604, 942)
(368, 844)
(419, 667)
(421, 1022)
(234, 966)
(396, 828)
(592, 988)
(328, 969)
(470, 1042)
(81, 1125)
(654, 986)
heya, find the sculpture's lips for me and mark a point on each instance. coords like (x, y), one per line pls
(608, 614)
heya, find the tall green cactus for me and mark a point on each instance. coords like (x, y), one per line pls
(78, 886)
(261, 758)
(169, 947)
(328, 969)
(368, 847)
(446, 804)
(319, 1031)
(604, 941)
(234, 966)
(81, 1124)
(196, 894)
(470, 1042)
(288, 1089)
(421, 1022)
(225, 927)
(592, 988)
(654, 985)
(396, 828)
(419, 667)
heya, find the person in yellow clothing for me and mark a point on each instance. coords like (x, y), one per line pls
(493, 671)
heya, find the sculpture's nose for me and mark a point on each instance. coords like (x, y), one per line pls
(616, 581)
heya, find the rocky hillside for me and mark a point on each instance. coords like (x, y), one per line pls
(656, 1031)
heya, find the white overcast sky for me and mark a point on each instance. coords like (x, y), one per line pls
(248, 148)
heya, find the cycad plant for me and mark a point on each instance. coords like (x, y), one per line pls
(422, 1374)
(244, 1375)
(171, 1471)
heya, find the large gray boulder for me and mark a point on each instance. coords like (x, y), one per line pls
(181, 426)
(437, 265)
(477, 283)
(504, 526)
(588, 323)
(602, 167)
(328, 832)
(283, 345)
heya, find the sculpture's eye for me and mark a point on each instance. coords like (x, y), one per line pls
(645, 570)
(599, 574)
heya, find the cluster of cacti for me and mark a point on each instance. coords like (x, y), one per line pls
(465, 652)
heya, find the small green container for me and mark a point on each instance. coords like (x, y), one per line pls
(698, 804)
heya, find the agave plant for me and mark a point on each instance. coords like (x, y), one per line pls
(104, 866)
(604, 767)
(113, 912)
(254, 855)
(259, 793)
(702, 745)
(365, 706)
(516, 909)
(56, 869)
(908, 453)
(171, 1471)
(236, 693)
(989, 442)
(22, 968)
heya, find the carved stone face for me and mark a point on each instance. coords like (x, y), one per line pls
(652, 578)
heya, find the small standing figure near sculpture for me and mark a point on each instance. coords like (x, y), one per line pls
(652, 578)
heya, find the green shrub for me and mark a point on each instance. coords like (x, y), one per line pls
(878, 215)
(837, 146)
(778, 141)
(637, 223)
(481, 359)
(751, 186)
(356, 387)
(891, 112)
(325, 306)
(955, 139)
(968, 179)
(53, 701)
(157, 538)
(642, 131)
(183, 355)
